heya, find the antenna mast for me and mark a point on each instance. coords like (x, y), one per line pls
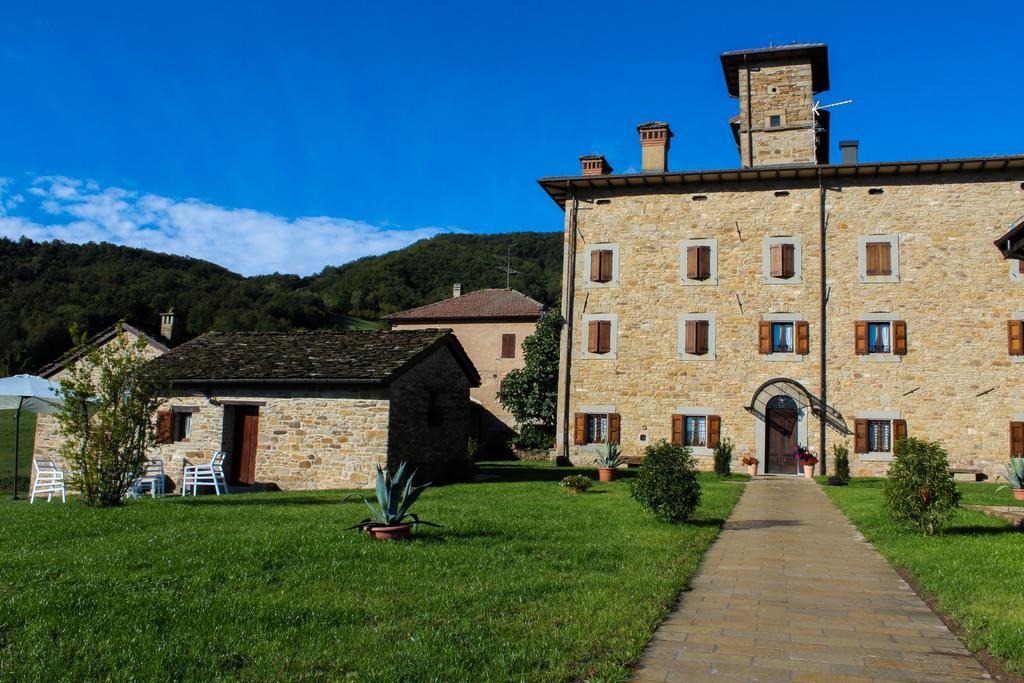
(507, 269)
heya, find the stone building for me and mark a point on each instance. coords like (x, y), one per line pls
(491, 325)
(791, 300)
(307, 410)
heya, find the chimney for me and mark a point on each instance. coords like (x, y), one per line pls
(456, 290)
(167, 325)
(654, 142)
(848, 149)
(595, 164)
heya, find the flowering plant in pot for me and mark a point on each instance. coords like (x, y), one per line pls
(390, 518)
(807, 459)
(608, 459)
(576, 483)
(750, 462)
(1015, 475)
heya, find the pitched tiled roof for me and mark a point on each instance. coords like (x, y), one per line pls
(99, 339)
(327, 357)
(482, 304)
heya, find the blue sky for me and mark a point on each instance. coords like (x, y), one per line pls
(289, 136)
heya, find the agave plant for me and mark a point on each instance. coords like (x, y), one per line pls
(609, 456)
(395, 495)
(1014, 474)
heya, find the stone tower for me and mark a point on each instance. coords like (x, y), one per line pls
(776, 88)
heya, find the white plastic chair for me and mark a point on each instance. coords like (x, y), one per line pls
(49, 480)
(152, 478)
(211, 474)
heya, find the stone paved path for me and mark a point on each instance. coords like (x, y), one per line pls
(789, 592)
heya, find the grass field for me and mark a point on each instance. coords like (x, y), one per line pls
(524, 582)
(975, 569)
(28, 431)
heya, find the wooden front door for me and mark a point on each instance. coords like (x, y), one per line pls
(780, 437)
(243, 452)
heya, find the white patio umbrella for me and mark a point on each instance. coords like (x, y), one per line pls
(31, 393)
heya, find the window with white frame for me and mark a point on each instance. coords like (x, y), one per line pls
(696, 336)
(597, 428)
(698, 262)
(695, 432)
(879, 258)
(600, 333)
(876, 433)
(602, 264)
(782, 260)
(881, 337)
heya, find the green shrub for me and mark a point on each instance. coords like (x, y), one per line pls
(723, 458)
(534, 437)
(576, 483)
(841, 461)
(667, 483)
(920, 490)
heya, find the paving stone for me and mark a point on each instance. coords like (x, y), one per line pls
(791, 592)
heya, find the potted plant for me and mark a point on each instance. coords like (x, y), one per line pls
(807, 459)
(750, 462)
(609, 458)
(576, 483)
(390, 518)
(1015, 475)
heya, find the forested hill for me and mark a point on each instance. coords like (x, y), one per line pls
(45, 287)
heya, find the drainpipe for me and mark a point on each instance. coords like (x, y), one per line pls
(824, 327)
(570, 294)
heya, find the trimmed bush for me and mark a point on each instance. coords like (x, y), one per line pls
(667, 483)
(841, 461)
(920, 490)
(723, 458)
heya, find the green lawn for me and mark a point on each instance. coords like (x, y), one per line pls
(524, 582)
(975, 569)
(28, 432)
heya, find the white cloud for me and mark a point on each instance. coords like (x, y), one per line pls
(244, 240)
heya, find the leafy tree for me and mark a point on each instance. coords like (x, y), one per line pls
(107, 418)
(530, 393)
(920, 490)
(667, 485)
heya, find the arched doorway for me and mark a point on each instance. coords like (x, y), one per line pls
(782, 417)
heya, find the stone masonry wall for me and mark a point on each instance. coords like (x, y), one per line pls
(956, 384)
(782, 89)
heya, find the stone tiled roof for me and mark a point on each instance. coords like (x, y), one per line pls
(328, 357)
(152, 338)
(502, 304)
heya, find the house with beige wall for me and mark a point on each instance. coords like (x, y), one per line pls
(491, 324)
(790, 300)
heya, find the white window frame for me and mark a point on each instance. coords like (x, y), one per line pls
(713, 275)
(613, 352)
(784, 318)
(890, 357)
(594, 410)
(862, 258)
(880, 415)
(766, 260)
(681, 348)
(697, 411)
(614, 282)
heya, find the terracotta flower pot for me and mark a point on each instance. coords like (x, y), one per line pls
(752, 469)
(1018, 494)
(809, 471)
(398, 532)
(606, 474)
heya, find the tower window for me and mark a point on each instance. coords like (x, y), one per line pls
(774, 121)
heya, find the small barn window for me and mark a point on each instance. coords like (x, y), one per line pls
(782, 193)
(774, 121)
(876, 190)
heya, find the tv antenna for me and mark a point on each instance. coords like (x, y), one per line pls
(507, 269)
(819, 106)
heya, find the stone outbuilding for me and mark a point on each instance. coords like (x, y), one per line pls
(491, 325)
(313, 410)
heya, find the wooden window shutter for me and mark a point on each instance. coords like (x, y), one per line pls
(899, 430)
(580, 433)
(788, 260)
(614, 428)
(595, 266)
(606, 265)
(690, 332)
(860, 436)
(508, 346)
(764, 336)
(604, 336)
(678, 427)
(803, 337)
(1017, 439)
(1015, 337)
(871, 258)
(899, 337)
(693, 263)
(701, 335)
(861, 337)
(884, 258)
(593, 335)
(714, 430)
(164, 426)
(776, 260)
